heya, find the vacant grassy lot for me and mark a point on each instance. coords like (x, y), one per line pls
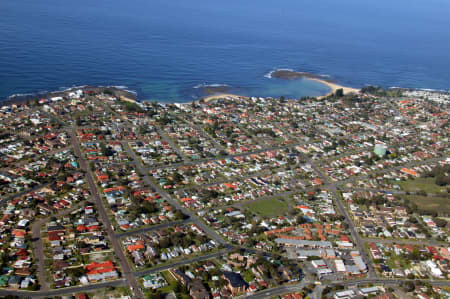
(441, 205)
(170, 280)
(268, 207)
(425, 184)
(397, 262)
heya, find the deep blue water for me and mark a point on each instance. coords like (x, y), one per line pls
(162, 49)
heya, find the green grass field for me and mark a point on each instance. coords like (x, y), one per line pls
(397, 262)
(170, 280)
(421, 184)
(431, 203)
(269, 207)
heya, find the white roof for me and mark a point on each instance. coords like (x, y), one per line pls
(340, 267)
(23, 222)
(324, 271)
(369, 290)
(319, 263)
(345, 293)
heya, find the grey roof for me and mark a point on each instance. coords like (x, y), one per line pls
(235, 279)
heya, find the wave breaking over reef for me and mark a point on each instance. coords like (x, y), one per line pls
(209, 89)
(290, 74)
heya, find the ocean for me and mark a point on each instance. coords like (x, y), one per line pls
(164, 49)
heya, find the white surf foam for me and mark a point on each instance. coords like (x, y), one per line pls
(205, 85)
(269, 74)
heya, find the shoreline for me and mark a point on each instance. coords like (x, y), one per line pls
(214, 97)
(334, 87)
(289, 74)
(122, 93)
(132, 96)
(128, 96)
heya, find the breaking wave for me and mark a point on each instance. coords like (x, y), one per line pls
(269, 74)
(205, 85)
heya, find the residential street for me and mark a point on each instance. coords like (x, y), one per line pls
(211, 233)
(38, 245)
(126, 269)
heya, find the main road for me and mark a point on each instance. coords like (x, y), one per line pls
(63, 291)
(343, 211)
(126, 269)
(290, 288)
(284, 289)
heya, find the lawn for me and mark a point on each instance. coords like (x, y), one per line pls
(170, 280)
(268, 207)
(432, 203)
(421, 184)
(396, 261)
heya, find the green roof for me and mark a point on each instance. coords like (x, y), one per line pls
(4, 280)
(380, 150)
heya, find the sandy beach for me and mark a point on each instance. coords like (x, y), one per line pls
(126, 99)
(335, 87)
(221, 96)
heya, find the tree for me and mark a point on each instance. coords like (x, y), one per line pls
(422, 193)
(440, 222)
(301, 220)
(339, 93)
(164, 242)
(132, 107)
(107, 151)
(149, 207)
(77, 272)
(409, 286)
(180, 215)
(442, 180)
(313, 258)
(412, 219)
